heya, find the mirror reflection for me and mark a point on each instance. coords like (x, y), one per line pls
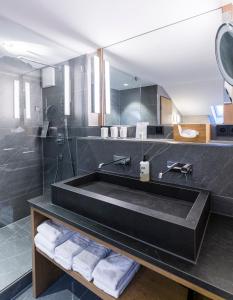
(20, 92)
(177, 77)
(134, 100)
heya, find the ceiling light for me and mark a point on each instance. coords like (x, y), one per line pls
(96, 84)
(125, 84)
(67, 90)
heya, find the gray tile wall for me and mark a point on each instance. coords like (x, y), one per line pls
(20, 175)
(213, 164)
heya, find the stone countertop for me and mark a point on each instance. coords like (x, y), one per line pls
(213, 270)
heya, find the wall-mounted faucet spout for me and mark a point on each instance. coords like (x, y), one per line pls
(117, 160)
(184, 168)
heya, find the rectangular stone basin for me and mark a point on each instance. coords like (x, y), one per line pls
(169, 217)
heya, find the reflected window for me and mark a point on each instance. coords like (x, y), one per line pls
(217, 112)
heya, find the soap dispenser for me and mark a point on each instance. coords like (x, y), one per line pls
(144, 169)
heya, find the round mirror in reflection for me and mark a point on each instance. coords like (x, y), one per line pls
(224, 51)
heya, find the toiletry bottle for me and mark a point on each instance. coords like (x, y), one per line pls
(144, 169)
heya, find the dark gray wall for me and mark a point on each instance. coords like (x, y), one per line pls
(213, 164)
(148, 109)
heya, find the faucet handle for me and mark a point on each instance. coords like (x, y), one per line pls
(187, 169)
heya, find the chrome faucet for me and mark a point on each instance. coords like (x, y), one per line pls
(184, 168)
(117, 160)
(169, 168)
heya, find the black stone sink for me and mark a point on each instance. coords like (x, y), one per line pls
(170, 217)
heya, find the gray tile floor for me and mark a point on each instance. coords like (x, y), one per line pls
(15, 251)
(65, 288)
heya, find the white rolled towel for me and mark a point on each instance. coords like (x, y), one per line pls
(65, 252)
(116, 293)
(54, 232)
(46, 246)
(113, 270)
(44, 249)
(85, 261)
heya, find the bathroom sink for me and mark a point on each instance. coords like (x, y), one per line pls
(169, 217)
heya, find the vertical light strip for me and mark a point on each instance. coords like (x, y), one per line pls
(96, 84)
(107, 87)
(16, 100)
(28, 100)
(66, 90)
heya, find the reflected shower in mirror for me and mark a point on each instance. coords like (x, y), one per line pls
(134, 100)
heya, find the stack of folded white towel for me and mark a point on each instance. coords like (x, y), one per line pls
(50, 235)
(114, 273)
(65, 252)
(111, 272)
(85, 261)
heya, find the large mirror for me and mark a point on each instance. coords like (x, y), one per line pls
(167, 76)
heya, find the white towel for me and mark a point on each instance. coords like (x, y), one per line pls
(65, 252)
(112, 270)
(85, 261)
(47, 249)
(54, 232)
(42, 243)
(116, 293)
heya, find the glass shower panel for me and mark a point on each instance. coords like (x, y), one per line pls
(20, 164)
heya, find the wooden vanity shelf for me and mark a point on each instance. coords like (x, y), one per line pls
(203, 129)
(146, 285)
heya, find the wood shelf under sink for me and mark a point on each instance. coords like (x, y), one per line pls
(146, 285)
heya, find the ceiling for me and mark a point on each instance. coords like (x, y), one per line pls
(83, 25)
(56, 30)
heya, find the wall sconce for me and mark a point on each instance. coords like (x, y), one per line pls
(67, 90)
(28, 100)
(96, 84)
(16, 100)
(107, 87)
